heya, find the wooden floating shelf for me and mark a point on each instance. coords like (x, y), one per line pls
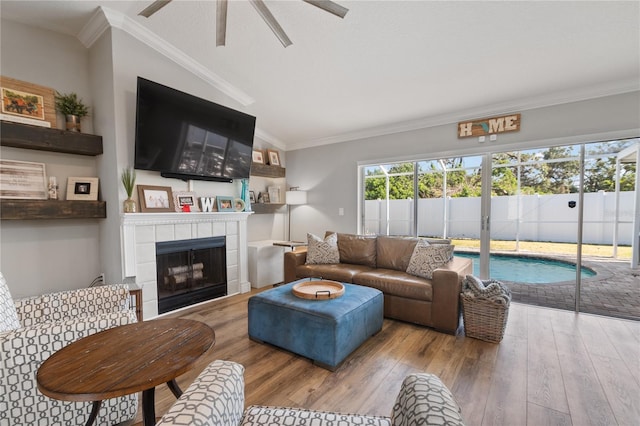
(26, 136)
(264, 170)
(260, 208)
(52, 209)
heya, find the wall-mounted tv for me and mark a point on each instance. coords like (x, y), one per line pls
(186, 137)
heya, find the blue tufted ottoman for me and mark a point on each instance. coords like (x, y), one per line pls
(326, 331)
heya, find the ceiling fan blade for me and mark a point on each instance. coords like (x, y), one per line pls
(266, 15)
(153, 8)
(221, 22)
(329, 6)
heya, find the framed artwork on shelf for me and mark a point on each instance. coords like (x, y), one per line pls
(82, 188)
(225, 204)
(265, 197)
(27, 103)
(258, 156)
(155, 199)
(184, 198)
(252, 197)
(274, 194)
(23, 180)
(274, 157)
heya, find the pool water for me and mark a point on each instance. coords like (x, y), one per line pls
(527, 270)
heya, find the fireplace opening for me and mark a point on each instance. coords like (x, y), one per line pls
(190, 271)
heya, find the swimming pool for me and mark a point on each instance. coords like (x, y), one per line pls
(527, 270)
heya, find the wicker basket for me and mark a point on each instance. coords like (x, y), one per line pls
(483, 319)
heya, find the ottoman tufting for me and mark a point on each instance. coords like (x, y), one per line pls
(326, 331)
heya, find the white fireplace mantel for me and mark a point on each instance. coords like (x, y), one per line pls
(141, 232)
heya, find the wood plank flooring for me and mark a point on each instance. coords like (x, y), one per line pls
(552, 367)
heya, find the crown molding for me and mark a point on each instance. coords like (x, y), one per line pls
(261, 134)
(556, 98)
(105, 18)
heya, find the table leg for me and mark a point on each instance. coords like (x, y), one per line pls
(173, 385)
(95, 409)
(149, 407)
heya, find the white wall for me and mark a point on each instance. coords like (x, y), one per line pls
(51, 255)
(329, 172)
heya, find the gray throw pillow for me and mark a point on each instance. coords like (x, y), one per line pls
(321, 251)
(426, 258)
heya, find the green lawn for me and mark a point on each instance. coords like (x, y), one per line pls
(624, 252)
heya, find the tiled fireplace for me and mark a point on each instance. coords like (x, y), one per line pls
(141, 232)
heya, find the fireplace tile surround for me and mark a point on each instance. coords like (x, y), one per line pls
(141, 232)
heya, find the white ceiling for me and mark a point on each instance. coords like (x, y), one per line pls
(389, 65)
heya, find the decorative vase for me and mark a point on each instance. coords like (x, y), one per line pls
(129, 206)
(244, 194)
(73, 123)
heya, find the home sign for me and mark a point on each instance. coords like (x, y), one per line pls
(489, 126)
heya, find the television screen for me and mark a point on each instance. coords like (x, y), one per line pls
(186, 137)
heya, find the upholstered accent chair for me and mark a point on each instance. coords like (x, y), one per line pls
(32, 329)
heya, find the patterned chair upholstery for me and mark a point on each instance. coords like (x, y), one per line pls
(32, 329)
(216, 398)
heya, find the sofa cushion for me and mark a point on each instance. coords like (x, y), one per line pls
(396, 283)
(321, 251)
(8, 314)
(426, 258)
(257, 415)
(357, 249)
(339, 272)
(394, 252)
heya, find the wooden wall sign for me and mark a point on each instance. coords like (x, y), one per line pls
(489, 126)
(44, 112)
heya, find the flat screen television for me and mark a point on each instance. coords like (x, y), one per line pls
(186, 137)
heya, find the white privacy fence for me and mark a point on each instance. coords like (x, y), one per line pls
(525, 217)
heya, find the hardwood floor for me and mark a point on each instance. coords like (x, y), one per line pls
(552, 367)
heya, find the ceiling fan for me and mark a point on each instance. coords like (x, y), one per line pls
(261, 8)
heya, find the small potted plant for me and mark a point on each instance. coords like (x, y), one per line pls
(73, 109)
(129, 182)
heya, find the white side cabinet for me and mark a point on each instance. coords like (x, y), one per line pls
(266, 263)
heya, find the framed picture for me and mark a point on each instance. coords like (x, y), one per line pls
(258, 156)
(155, 199)
(252, 197)
(39, 102)
(181, 199)
(274, 157)
(23, 180)
(274, 194)
(82, 188)
(22, 104)
(265, 197)
(239, 205)
(225, 204)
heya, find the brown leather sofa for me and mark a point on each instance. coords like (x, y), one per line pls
(380, 262)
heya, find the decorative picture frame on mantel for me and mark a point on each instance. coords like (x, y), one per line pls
(155, 199)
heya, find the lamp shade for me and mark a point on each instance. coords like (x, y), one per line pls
(296, 197)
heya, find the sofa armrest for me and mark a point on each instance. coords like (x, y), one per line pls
(73, 304)
(216, 397)
(425, 400)
(34, 344)
(447, 285)
(292, 259)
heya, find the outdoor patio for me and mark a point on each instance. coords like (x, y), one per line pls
(614, 291)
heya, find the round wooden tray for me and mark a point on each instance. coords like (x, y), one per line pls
(318, 289)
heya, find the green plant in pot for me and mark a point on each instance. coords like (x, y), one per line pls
(73, 109)
(129, 182)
